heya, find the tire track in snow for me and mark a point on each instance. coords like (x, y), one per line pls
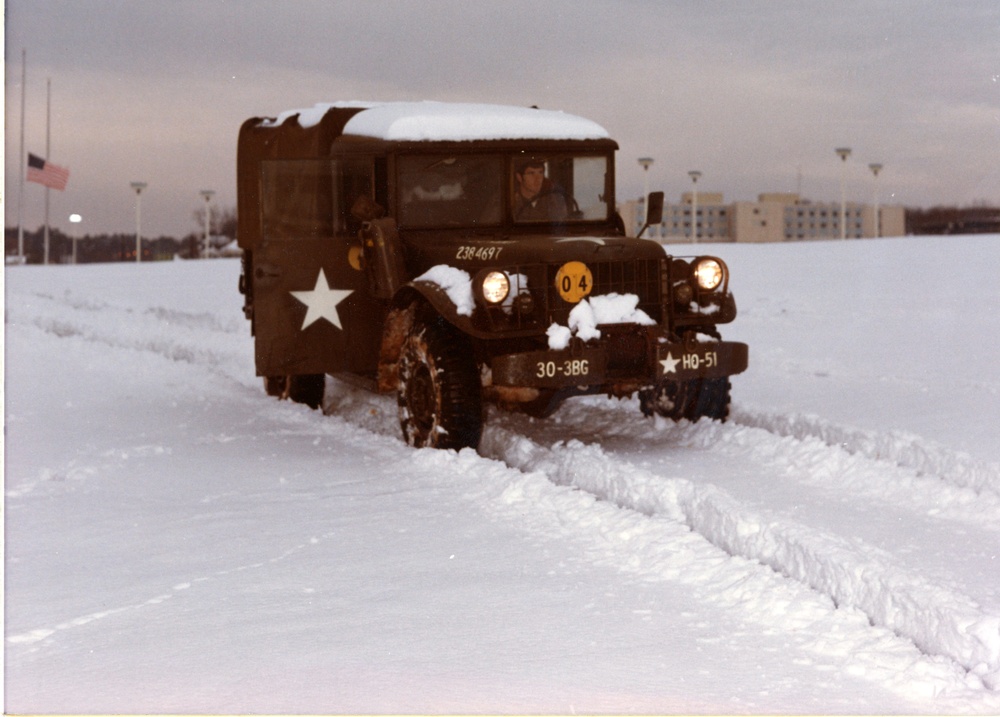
(552, 491)
(175, 317)
(897, 447)
(939, 620)
(861, 471)
(201, 339)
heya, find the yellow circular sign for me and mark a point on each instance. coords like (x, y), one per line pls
(574, 281)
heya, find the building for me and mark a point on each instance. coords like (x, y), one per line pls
(773, 217)
(713, 218)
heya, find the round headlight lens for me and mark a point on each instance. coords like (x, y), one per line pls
(708, 273)
(496, 286)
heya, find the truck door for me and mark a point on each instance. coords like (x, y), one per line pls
(313, 310)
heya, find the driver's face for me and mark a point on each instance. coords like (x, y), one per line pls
(531, 181)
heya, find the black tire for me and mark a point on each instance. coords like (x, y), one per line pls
(668, 399)
(275, 385)
(547, 403)
(693, 400)
(711, 400)
(439, 391)
(307, 388)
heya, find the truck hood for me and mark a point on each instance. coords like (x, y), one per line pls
(475, 253)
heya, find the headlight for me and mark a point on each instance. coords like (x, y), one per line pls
(496, 286)
(708, 273)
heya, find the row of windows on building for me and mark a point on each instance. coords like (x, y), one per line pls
(783, 219)
(714, 223)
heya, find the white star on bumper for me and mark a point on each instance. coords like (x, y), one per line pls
(322, 301)
(669, 363)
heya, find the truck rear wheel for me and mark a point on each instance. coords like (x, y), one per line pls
(439, 391)
(275, 385)
(307, 388)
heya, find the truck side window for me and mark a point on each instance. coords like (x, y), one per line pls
(310, 199)
(296, 198)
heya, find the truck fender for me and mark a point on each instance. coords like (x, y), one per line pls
(415, 301)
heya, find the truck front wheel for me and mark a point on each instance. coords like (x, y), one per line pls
(711, 400)
(692, 399)
(439, 391)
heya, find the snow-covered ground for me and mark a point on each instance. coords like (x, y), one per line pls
(177, 541)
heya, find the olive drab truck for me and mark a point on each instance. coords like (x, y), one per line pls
(460, 255)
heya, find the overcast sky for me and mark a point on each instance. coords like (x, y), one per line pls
(756, 95)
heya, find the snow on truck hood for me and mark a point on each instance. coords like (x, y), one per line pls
(447, 121)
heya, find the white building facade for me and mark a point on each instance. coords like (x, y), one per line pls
(772, 218)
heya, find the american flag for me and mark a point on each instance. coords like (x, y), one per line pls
(51, 175)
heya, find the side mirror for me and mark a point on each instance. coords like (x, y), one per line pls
(383, 257)
(654, 211)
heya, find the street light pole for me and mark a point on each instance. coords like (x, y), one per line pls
(645, 163)
(694, 174)
(843, 153)
(138, 187)
(207, 194)
(876, 168)
(74, 219)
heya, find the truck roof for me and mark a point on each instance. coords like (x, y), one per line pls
(447, 121)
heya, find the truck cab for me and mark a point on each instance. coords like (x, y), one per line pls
(458, 255)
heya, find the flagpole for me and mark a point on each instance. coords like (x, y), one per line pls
(20, 188)
(48, 154)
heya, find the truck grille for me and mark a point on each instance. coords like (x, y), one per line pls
(642, 277)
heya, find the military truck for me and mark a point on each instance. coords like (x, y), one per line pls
(462, 255)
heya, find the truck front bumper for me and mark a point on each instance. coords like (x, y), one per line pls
(603, 363)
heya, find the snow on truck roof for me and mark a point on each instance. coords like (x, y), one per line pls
(446, 121)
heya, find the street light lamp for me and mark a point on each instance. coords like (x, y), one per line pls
(74, 219)
(645, 163)
(876, 168)
(843, 153)
(138, 187)
(207, 194)
(694, 174)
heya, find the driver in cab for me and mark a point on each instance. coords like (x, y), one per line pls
(535, 198)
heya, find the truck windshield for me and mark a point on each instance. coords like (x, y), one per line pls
(450, 190)
(439, 190)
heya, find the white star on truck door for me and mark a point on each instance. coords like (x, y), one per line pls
(322, 301)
